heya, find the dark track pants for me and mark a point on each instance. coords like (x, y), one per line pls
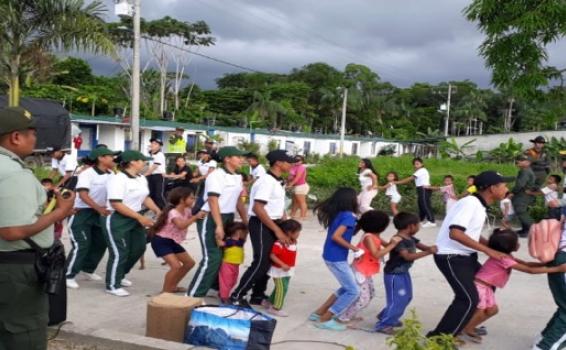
(459, 271)
(256, 277)
(24, 309)
(554, 335)
(88, 242)
(206, 276)
(126, 240)
(156, 184)
(425, 205)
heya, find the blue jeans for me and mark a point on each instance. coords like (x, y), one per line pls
(349, 290)
(399, 293)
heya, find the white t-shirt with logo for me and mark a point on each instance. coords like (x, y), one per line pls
(271, 191)
(258, 171)
(159, 160)
(365, 179)
(130, 190)
(95, 182)
(203, 167)
(468, 214)
(422, 177)
(226, 186)
(67, 164)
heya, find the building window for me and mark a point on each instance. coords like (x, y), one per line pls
(332, 147)
(354, 149)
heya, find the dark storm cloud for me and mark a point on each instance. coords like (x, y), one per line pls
(404, 41)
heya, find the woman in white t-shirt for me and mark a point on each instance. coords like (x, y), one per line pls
(424, 193)
(368, 183)
(157, 168)
(125, 227)
(205, 166)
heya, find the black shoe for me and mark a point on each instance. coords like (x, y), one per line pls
(240, 303)
(522, 234)
(258, 300)
(481, 331)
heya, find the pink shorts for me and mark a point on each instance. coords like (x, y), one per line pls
(487, 296)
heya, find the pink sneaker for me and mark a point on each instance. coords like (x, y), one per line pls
(279, 313)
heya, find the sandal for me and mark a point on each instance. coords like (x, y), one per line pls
(476, 339)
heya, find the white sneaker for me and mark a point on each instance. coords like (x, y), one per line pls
(126, 283)
(71, 283)
(428, 224)
(120, 292)
(92, 276)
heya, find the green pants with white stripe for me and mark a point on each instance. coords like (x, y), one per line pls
(277, 297)
(206, 276)
(554, 335)
(126, 240)
(88, 242)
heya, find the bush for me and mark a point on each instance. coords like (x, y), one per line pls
(410, 337)
(333, 172)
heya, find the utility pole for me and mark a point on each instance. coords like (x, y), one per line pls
(447, 120)
(343, 126)
(135, 120)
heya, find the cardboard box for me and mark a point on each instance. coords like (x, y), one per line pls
(168, 315)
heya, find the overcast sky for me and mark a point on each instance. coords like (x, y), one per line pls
(404, 41)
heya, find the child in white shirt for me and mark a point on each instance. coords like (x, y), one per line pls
(550, 192)
(507, 210)
(391, 191)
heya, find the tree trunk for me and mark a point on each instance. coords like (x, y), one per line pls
(14, 93)
(93, 107)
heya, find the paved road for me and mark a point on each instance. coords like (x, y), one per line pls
(525, 303)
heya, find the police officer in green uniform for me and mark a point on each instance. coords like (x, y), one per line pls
(23, 302)
(522, 194)
(539, 160)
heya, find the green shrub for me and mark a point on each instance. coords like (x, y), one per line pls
(411, 337)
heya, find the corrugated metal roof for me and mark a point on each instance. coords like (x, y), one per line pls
(160, 124)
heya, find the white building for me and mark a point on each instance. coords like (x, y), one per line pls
(116, 134)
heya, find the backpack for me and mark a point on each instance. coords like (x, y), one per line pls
(544, 239)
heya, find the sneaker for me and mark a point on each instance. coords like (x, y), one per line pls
(126, 283)
(481, 331)
(384, 330)
(331, 325)
(92, 276)
(241, 303)
(429, 224)
(314, 317)
(71, 283)
(279, 313)
(120, 292)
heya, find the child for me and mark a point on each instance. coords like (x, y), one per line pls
(169, 231)
(391, 191)
(233, 257)
(397, 279)
(373, 223)
(421, 176)
(495, 274)
(448, 192)
(338, 215)
(49, 187)
(283, 266)
(470, 187)
(507, 211)
(550, 192)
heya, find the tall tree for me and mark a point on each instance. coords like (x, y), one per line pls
(33, 27)
(517, 33)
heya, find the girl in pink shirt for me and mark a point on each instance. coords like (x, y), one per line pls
(495, 274)
(169, 231)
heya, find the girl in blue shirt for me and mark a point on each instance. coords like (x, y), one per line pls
(338, 215)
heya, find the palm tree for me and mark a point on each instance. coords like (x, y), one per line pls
(33, 27)
(266, 109)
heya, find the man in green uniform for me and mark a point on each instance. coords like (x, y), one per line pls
(539, 160)
(522, 194)
(23, 302)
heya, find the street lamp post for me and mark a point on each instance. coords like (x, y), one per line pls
(343, 124)
(135, 120)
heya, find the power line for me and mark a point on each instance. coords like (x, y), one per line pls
(218, 60)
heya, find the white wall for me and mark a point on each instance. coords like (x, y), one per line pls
(113, 136)
(489, 142)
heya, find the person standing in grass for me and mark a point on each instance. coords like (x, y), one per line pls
(421, 177)
(523, 194)
(368, 182)
(297, 182)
